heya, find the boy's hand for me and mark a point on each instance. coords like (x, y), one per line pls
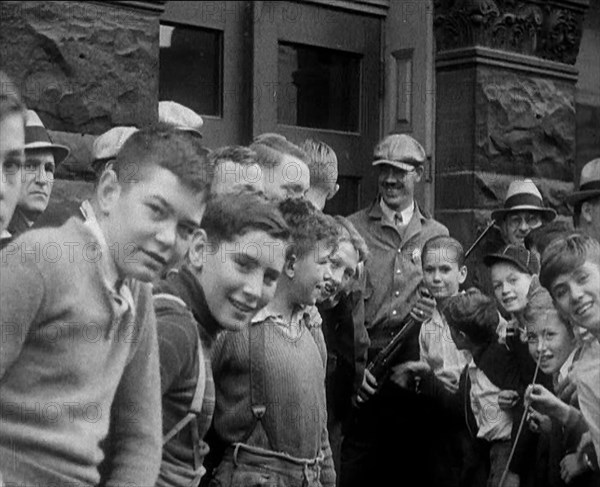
(424, 307)
(404, 374)
(567, 391)
(571, 467)
(546, 402)
(367, 389)
(507, 399)
(538, 423)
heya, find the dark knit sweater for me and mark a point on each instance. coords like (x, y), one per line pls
(65, 356)
(295, 421)
(178, 333)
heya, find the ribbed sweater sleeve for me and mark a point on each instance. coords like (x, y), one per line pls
(136, 426)
(21, 297)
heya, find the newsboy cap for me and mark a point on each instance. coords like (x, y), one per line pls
(400, 151)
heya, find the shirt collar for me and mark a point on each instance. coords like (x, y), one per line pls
(390, 214)
(109, 268)
(5, 234)
(566, 367)
(267, 313)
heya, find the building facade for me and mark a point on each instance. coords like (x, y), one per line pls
(493, 89)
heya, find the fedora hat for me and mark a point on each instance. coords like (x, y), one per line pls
(400, 151)
(523, 195)
(180, 117)
(589, 183)
(36, 137)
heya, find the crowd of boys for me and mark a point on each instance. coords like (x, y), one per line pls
(199, 320)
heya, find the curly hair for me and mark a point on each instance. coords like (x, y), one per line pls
(308, 226)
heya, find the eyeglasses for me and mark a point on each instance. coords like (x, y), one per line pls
(531, 220)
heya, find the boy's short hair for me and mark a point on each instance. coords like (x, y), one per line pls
(348, 233)
(162, 145)
(539, 307)
(322, 164)
(542, 236)
(308, 225)
(270, 149)
(444, 242)
(234, 153)
(475, 314)
(564, 255)
(10, 100)
(229, 216)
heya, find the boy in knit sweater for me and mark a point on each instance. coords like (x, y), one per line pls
(270, 381)
(229, 274)
(79, 351)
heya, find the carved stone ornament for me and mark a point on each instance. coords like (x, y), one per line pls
(546, 29)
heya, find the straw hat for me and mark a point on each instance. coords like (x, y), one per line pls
(589, 183)
(523, 195)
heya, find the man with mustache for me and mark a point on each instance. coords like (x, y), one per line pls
(395, 229)
(42, 157)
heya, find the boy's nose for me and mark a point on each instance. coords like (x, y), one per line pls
(167, 235)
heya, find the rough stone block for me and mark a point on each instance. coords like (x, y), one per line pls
(83, 66)
(77, 165)
(525, 125)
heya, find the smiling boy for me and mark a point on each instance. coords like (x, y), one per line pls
(571, 273)
(270, 382)
(78, 327)
(12, 143)
(229, 275)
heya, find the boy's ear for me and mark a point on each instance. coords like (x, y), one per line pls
(333, 192)
(462, 274)
(198, 249)
(108, 191)
(289, 268)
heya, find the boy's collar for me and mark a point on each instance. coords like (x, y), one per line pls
(267, 312)
(111, 274)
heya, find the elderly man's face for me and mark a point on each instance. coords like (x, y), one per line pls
(397, 187)
(289, 179)
(38, 179)
(516, 226)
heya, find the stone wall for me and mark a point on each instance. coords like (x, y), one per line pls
(84, 67)
(506, 109)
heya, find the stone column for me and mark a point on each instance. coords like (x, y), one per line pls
(84, 67)
(505, 93)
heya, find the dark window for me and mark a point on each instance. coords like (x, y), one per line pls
(347, 199)
(190, 67)
(318, 88)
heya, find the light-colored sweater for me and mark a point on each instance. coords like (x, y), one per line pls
(295, 421)
(73, 362)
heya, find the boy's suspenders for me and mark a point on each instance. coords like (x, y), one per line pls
(256, 356)
(197, 400)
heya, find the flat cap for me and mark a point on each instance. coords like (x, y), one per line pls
(399, 150)
(179, 116)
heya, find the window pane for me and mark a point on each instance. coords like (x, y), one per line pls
(318, 88)
(190, 68)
